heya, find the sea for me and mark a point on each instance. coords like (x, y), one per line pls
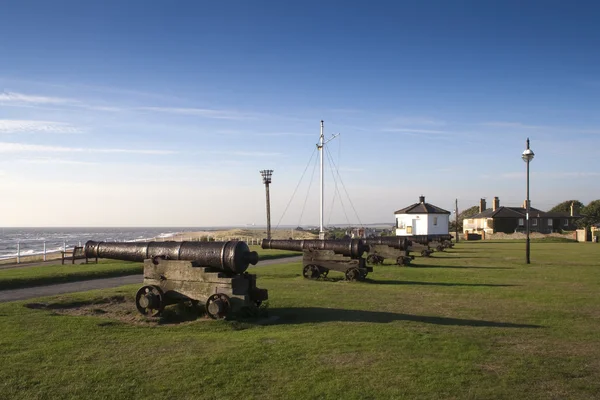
(31, 241)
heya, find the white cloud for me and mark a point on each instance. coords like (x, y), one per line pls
(202, 112)
(28, 126)
(410, 130)
(547, 175)
(416, 121)
(246, 153)
(6, 147)
(517, 125)
(12, 97)
(55, 161)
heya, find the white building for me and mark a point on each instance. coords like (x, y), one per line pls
(422, 219)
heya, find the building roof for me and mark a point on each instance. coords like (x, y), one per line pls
(422, 208)
(520, 212)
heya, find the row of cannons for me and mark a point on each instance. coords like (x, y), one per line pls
(347, 256)
(213, 274)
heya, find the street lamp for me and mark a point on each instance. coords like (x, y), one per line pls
(266, 175)
(527, 156)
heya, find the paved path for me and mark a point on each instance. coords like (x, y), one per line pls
(82, 286)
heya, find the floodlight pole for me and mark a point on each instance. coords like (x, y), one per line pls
(266, 175)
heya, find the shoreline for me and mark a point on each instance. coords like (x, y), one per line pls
(252, 236)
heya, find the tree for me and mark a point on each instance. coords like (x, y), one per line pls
(591, 214)
(468, 213)
(565, 206)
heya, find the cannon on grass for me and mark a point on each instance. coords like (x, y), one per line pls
(424, 243)
(321, 256)
(394, 247)
(211, 273)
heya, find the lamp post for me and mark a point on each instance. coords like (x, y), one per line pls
(266, 175)
(527, 156)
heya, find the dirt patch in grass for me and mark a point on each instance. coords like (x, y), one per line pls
(123, 309)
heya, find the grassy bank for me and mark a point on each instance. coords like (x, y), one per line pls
(29, 276)
(15, 278)
(474, 322)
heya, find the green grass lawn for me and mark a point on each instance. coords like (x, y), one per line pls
(474, 322)
(56, 273)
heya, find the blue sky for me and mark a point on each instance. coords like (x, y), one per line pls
(162, 113)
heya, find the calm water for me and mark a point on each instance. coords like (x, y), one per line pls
(31, 240)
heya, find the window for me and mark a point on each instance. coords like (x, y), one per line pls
(521, 222)
(566, 222)
(401, 224)
(409, 229)
(550, 222)
(435, 220)
(534, 222)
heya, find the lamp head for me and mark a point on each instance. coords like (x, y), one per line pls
(266, 175)
(528, 154)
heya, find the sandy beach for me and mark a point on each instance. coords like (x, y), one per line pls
(251, 236)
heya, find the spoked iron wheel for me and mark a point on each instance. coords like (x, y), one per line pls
(311, 271)
(353, 274)
(324, 272)
(150, 301)
(425, 253)
(402, 261)
(372, 259)
(218, 305)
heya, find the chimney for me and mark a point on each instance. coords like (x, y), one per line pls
(496, 204)
(572, 208)
(481, 205)
(421, 199)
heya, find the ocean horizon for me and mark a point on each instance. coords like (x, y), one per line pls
(31, 241)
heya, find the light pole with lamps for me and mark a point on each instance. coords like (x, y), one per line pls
(527, 157)
(266, 175)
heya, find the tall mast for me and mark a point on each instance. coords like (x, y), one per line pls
(320, 145)
(322, 198)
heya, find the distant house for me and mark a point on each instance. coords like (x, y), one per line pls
(512, 219)
(421, 219)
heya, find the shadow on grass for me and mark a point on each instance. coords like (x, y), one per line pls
(303, 315)
(396, 282)
(456, 266)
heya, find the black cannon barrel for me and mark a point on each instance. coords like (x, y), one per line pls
(233, 256)
(426, 239)
(350, 248)
(397, 242)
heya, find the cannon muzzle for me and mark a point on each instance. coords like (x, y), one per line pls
(233, 256)
(353, 248)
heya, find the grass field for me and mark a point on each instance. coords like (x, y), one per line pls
(56, 273)
(474, 322)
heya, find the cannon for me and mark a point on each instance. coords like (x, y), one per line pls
(424, 242)
(394, 247)
(211, 273)
(321, 256)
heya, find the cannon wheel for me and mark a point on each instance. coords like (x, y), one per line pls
(311, 271)
(353, 274)
(324, 272)
(402, 260)
(440, 247)
(150, 301)
(425, 253)
(217, 306)
(373, 259)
